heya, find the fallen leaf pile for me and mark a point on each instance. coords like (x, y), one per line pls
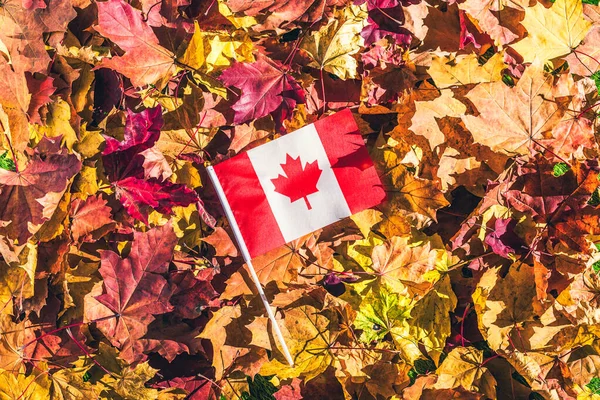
(479, 277)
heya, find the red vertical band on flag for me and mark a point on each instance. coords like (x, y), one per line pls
(350, 161)
(249, 205)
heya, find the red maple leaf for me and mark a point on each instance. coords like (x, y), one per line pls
(298, 182)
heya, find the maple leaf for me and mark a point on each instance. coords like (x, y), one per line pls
(447, 71)
(401, 266)
(56, 345)
(124, 162)
(23, 31)
(290, 392)
(30, 197)
(384, 312)
(281, 265)
(133, 288)
(89, 217)
(222, 243)
(281, 15)
(139, 196)
(15, 287)
(14, 104)
(414, 194)
(145, 61)
(463, 367)
(561, 202)
(15, 335)
(310, 330)
(586, 65)
(15, 384)
(210, 51)
(70, 383)
(543, 43)
(298, 182)
(424, 122)
(494, 18)
(503, 239)
(579, 302)
(243, 135)
(430, 324)
(386, 18)
(332, 47)
(226, 319)
(193, 293)
(504, 304)
(514, 120)
(40, 90)
(585, 369)
(168, 341)
(142, 130)
(197, 388)
(122, 380)
(265, 88)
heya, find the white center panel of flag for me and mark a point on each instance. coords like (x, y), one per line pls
(327, 204)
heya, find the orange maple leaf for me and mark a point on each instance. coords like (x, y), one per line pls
(298, 182)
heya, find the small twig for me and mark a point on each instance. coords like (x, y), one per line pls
(87, 353)
(37, 339)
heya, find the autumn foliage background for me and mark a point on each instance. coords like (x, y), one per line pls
(477, 278)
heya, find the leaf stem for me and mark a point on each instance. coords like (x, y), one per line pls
(87, 353)
(323, 91)
(489, 359)
(75, 324)
(462, 325)
(29, 384)
(586, 110)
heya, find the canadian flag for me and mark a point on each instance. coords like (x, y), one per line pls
(298, 183)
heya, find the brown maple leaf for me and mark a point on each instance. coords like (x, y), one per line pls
(515, 120)
(298, 182)
(283, 265)
(28, 198)
(90, 218)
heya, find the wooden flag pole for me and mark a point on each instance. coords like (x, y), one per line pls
(242, 245)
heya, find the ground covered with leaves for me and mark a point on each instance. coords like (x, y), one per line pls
(477, 278)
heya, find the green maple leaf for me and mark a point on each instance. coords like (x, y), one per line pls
(595, 198)
(260, 388)
(594, 385)
(382, 312)
(6, 162)
(596, 266)
(560, 169)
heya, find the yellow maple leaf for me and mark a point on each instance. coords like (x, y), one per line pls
(18, 385)
(504, 305)
(57, 124)
(401, 264)
(15, 286)
(332, 47)
(453, 70)
(552, 32)
(431, 323)
(464, 367)
(308, 334)
(208, 51)
(427, 113)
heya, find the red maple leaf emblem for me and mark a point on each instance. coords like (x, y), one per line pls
(298, 182)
